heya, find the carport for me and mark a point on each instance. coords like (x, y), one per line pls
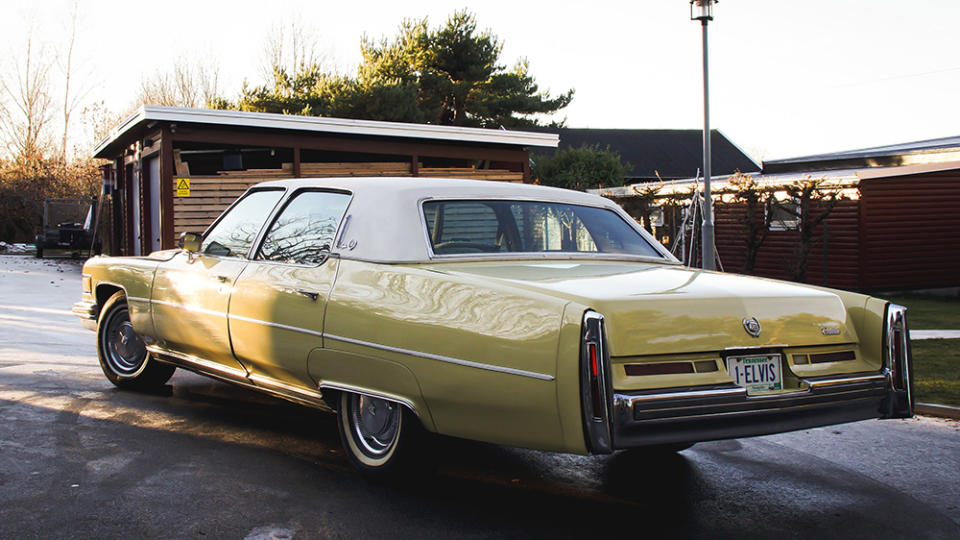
(175, 169)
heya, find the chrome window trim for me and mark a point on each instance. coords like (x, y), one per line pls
(256, 239)
(666, 256)
(285, 200)
(446, 359)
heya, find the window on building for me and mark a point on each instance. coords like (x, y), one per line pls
(782, 215)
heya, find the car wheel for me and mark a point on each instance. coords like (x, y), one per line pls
(378, 435)
(123, 357)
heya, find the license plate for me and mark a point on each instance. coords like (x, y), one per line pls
(759, 374)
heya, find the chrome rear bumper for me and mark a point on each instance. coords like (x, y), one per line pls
(695, 414)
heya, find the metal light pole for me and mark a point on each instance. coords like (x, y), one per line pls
(702, 10)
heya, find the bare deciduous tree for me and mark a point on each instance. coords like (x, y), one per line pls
(72, 96)
(290, 47)
(758, 204)
(187, 84)
(814, 201)
(25, 102)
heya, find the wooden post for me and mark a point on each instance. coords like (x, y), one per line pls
(415, 165)
(526, 171)
(167, 240)
(296, 162)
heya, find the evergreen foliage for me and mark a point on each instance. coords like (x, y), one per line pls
(581, 168)
(449, 75)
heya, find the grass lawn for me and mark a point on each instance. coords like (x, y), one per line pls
(936, 371)
(927, 312)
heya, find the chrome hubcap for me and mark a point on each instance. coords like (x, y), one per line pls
(125, 350)
(376, 423)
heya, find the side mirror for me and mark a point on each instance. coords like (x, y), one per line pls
(190, 242)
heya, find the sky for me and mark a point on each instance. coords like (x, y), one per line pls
(786, 78)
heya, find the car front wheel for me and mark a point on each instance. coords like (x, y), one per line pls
(123, 357)
(378, 435)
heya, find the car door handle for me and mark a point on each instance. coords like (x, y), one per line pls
(309, 294)
(222, 279)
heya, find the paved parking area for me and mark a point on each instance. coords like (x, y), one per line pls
(78, 458)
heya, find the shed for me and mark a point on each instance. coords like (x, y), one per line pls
(175, 169)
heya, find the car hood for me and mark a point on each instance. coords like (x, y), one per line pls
(654, 309)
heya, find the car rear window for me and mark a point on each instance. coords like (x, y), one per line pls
(482, 226)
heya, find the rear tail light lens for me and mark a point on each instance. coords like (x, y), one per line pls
(594, 389)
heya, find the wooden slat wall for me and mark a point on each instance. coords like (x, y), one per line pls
(778, 252)
(911, 231)
(211, 195)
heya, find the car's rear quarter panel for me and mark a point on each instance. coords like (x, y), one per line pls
(468, 319)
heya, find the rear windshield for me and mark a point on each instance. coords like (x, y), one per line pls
(481, 226)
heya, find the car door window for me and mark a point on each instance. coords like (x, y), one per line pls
(305, 228)
(233, 235)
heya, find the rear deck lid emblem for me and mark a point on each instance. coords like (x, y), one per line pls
(752, 326)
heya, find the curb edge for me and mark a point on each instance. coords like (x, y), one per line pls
(933, 409)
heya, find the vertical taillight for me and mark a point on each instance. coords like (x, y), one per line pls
(594, 374)
(897, 353)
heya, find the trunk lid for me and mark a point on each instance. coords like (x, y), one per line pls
(653, 309)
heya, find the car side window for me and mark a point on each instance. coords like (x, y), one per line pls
(233, 235)
(304, 231)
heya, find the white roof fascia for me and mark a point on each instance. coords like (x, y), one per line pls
(329, 125)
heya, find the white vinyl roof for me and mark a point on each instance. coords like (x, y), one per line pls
(153, 113)
(384, 222)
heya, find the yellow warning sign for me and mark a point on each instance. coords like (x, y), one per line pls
(183, 187)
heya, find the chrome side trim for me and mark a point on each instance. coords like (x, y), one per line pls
(696, 394)
(193, 309)
(141, 300)
(289, 391)
(358, 390)
(447, 359)
(275, 325)
(191, 362)
(847, 380)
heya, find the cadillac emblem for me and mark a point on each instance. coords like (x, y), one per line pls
(752, 326)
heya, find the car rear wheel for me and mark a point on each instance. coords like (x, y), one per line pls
(123, 357)
(378, 435)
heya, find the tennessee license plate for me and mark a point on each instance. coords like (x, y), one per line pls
(759, 374)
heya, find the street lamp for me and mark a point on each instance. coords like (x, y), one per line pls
(702, 10)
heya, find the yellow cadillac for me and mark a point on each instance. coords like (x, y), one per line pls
(513, 314)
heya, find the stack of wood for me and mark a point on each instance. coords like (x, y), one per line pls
(210, 195)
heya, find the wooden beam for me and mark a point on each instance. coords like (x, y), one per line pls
(167, 240)
(415, 165)
(349, 144)
(296, 162)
